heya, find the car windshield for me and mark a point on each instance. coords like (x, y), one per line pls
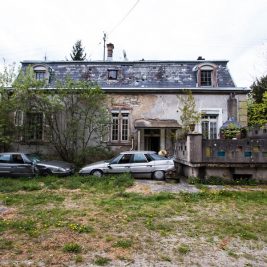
(34, 157)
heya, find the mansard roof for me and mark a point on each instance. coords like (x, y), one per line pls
(136, 74)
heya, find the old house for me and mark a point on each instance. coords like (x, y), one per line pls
(142, 97)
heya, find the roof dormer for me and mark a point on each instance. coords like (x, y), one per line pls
(42, 72)
(206, 74)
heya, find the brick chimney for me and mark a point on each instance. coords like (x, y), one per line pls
(110, 48)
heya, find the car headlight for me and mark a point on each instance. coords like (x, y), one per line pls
(57, 169)
(61, 169)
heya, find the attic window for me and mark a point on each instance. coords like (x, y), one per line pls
(41, 72)
(39, 75)
(112, 74)
(206, 75)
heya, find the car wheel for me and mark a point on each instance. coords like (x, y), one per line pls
(159, 175)
(46, 173)
(97, 173)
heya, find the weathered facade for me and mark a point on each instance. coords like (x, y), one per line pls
(142, 96)
(228, 159)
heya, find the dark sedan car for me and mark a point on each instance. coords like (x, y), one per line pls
(17, 164)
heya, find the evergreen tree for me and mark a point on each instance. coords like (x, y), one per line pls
(258, 88)
(78, 51)
(257, 104)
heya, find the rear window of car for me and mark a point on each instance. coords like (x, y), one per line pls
(139, 158)
(154, 157)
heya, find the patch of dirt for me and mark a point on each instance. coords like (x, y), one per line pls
(151, 186)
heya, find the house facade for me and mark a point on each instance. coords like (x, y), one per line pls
(142, 97)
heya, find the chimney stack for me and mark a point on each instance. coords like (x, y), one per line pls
(110, 48)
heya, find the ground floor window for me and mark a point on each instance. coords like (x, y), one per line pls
(209, 125)
(34, 126)
(120, 126)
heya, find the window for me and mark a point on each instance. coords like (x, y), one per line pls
(112, 74)
(126, 158)
(39, 75)
(41, 72)
(139, 158)
(34, 127)
(120, 126)
(205, 78)
(209, 125)
(206, 75)
(5, 158)
(18, 118)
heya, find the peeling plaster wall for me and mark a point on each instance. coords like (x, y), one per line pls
(165, 106)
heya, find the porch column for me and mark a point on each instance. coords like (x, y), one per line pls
(139, 139)
(162, 138)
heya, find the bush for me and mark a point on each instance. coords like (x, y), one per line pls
(194, 180)
(72, 247)
(214, 180)
(93, 154)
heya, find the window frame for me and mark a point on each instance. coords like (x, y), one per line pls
(120, 126)
(41, 72)
(206, 68)
(33, 131)
(112, 74)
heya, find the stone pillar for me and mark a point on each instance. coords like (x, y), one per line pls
(232, 107)
(138, 139)
(194, 146)
(162, 138)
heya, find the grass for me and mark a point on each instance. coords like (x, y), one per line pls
(96, 216)
(72, 248)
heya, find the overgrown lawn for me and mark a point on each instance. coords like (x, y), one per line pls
(101, 222)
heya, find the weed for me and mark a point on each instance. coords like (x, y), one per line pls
(123, 243)
(6, 244)
(79, 259)
(80, 228)
(72, 248)
(165, 258)
(184, 249)
(101, 261)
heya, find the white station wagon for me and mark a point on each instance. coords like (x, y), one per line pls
(142, 164)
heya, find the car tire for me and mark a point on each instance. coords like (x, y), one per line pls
(46, 173)
(97, 173)
(159, 175)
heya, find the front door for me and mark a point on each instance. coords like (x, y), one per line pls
(152, 139)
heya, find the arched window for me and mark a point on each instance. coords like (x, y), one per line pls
(206, 75)
(41, 72)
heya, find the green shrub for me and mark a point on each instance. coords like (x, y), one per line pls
(214, 180)
(72, 248)
(93, 154)
(123, 243)
(194, 180)
(184, 249)
(101, 261)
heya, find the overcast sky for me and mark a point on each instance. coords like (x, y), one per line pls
(235, 30)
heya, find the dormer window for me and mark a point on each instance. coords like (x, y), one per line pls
(39, 75)
(206, 78)
(206, 75)
(41, 72)
(112, 74)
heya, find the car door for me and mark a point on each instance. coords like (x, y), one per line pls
(120, 164)
(5, 166)
(20, 167)
(141, 166)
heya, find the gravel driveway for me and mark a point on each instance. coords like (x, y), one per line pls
(171, 186)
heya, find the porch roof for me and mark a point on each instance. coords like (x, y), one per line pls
(156, 123)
